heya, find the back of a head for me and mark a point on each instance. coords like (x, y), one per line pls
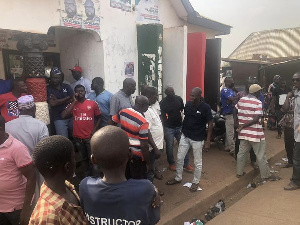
(99, 80)
(149, 92)
(127, 82)
(110, 147)
(51, 154)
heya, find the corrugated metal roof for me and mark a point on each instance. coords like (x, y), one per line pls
(283, 43)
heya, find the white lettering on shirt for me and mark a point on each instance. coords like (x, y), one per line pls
(82, 116)
(109, 221)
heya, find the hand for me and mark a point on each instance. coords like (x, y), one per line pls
(157, 199)
(74, 98)
(206, 146)
(25, 216)
(53, 97)
(236, 124)
(290, 95)
(240, 127)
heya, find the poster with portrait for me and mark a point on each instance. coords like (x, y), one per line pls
(147, 11)
(124, 5)
(81, 14)
(129, 69)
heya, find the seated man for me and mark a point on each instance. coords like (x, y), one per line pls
(59, 203)
(113, 199)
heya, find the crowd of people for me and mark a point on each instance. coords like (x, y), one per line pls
(110, 144)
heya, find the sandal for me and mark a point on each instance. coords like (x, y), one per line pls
(172, 182)
(272, 178)
(194, 187)
(158, 175)
(239, 176)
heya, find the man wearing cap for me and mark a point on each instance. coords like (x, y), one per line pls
(59, 96)
(28, 130)
(250, 132)
(77, 75)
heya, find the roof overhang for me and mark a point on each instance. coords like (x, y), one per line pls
(246, 61)
(193, 17)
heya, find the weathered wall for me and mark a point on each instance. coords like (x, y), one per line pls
(175, 59)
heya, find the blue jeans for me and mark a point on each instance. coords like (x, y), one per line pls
(64, 127)
(170, 133)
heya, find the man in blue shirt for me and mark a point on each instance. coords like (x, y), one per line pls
(59, 96)
(102, 97)
(114, 199)
(227, 103)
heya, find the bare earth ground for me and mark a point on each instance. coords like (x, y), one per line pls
(217, 166)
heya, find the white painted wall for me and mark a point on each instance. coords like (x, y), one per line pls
(77, 46)
(175, 59)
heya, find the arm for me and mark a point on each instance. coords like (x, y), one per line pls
(153, 145)
(53, 101)
(145, 151)
(254, 121)
(209, 132)
(30, 174)
(286, 104)
(68, 111)
(97, 126)
(235, 117)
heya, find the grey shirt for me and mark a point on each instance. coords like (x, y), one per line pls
(120, 101)
(297, 116)
(27, 130)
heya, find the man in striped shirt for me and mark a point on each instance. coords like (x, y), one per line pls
(135, 125)
(250, 133)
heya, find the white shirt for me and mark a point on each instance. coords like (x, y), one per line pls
(155, 126)
(84, 82)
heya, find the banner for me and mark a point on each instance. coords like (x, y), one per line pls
(76, 14)
(124, 5)
(147, 11)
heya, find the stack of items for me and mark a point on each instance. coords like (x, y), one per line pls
(37, 87)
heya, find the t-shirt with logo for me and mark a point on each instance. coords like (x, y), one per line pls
(129, 202)
(9, 106)
(248, 107)
(64, 91)
(136, 127)
(226, 108)
(84, 118)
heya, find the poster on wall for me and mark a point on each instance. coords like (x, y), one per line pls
(81, 14)
(129, 69)
(147, 11)
(124, 5)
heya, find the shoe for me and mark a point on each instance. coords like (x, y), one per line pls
(254, 165)
(189, 169)
(288, 165)
(292, 186)
(172, 167)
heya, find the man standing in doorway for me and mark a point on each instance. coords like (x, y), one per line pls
(295, 181)
(197, 115)
(123, 99)
(86, 114)
(59, 96)
(102, 97)
(171, 108)
(227, 103)
(77, 75)
(8, 101)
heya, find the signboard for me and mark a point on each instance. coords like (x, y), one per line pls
(147, 11)
(81, 14)
(124, 5)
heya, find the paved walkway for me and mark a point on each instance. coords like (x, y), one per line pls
(268, 204)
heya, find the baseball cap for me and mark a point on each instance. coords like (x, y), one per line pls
(254, 88)
(55, 71)
(77, 68)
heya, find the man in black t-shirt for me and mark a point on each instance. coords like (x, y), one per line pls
(171, 108)
(197, 115)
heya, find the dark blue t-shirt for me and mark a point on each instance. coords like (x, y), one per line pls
(195, 119)
(226, 93)
(129, 202)
(64, 91)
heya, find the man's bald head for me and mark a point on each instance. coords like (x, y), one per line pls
(141, 104)
(169, 91)
(195, 95)
(129, 86)
(110, 147)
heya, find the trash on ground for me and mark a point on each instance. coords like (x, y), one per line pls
(278, 164)
(273, 171)
(195, 222)
(216, 210)
(251, 185)
(285, 159)
(189, 186)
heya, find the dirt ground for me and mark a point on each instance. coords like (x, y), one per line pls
(217, 166)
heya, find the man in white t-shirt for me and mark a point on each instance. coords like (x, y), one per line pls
(156, 130)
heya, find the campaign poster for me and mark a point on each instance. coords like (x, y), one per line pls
(129, 69)
(147, 11)
(124, 5)
(81, 14)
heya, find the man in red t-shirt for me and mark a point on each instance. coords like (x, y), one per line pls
(86, 120)
(8, 101)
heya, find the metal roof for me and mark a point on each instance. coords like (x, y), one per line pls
(270, 44)
(195, 18)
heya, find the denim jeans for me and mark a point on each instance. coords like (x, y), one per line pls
(64, 127)
(184, 146)
(170, 133)
(10, 218)
(296, 164)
